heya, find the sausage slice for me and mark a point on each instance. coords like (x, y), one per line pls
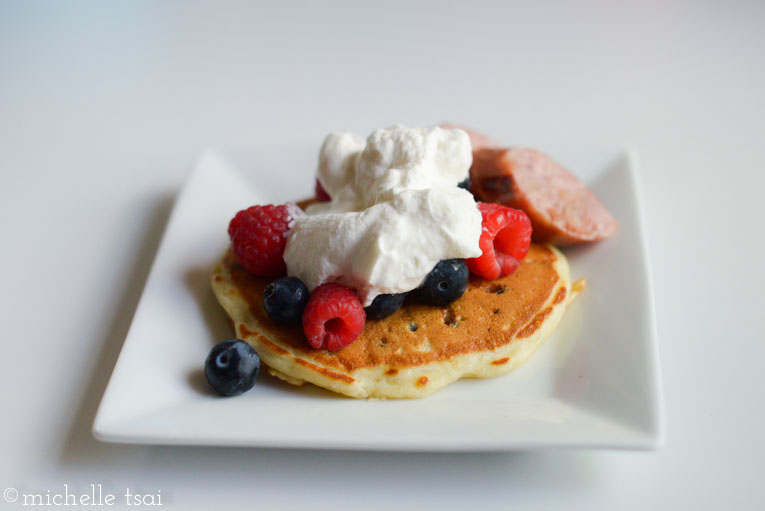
(563, 211)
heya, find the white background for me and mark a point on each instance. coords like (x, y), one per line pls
(105, 105)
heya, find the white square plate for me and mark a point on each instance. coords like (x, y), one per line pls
(593, 383)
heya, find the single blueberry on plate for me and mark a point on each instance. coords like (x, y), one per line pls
(445, 283)
(384, 305)
(284, 300)
(231, 367)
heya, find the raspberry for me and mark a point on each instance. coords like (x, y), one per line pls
(333, 317)
(505, 239)
(321, 193)
(258, 236)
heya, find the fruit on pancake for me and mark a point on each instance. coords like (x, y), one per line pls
(285, 299)
(333, 317)
(259, 235)
(465, 184)
(505, 239)
(563, 211)
(384, 305)
(232, 367)
(445, 283)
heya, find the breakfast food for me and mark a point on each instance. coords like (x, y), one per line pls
(494, 327)
(232, 367)
(563, 211)
(394, 281)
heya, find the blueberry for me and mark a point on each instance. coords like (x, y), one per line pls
(445, 283)
(384, 305)
(284, 300)
(231, 367)
(465, 184)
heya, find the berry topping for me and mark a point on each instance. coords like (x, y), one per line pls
(231, 367)
(465, 184)
(258, 236)
(445, 283)
(505, 239)
(384, 305)
(284, 300)
(321, 193)
(333, 317)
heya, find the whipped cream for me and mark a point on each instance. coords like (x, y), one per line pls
(395, 211)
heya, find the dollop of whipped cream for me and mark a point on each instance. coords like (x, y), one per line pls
(395, 211)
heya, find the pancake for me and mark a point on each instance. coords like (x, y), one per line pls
(494, 327)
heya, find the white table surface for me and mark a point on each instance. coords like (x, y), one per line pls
(105, 105)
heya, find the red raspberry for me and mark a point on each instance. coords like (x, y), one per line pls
(505, 239)
(258, 236)
(321, 193)
(333, 317)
